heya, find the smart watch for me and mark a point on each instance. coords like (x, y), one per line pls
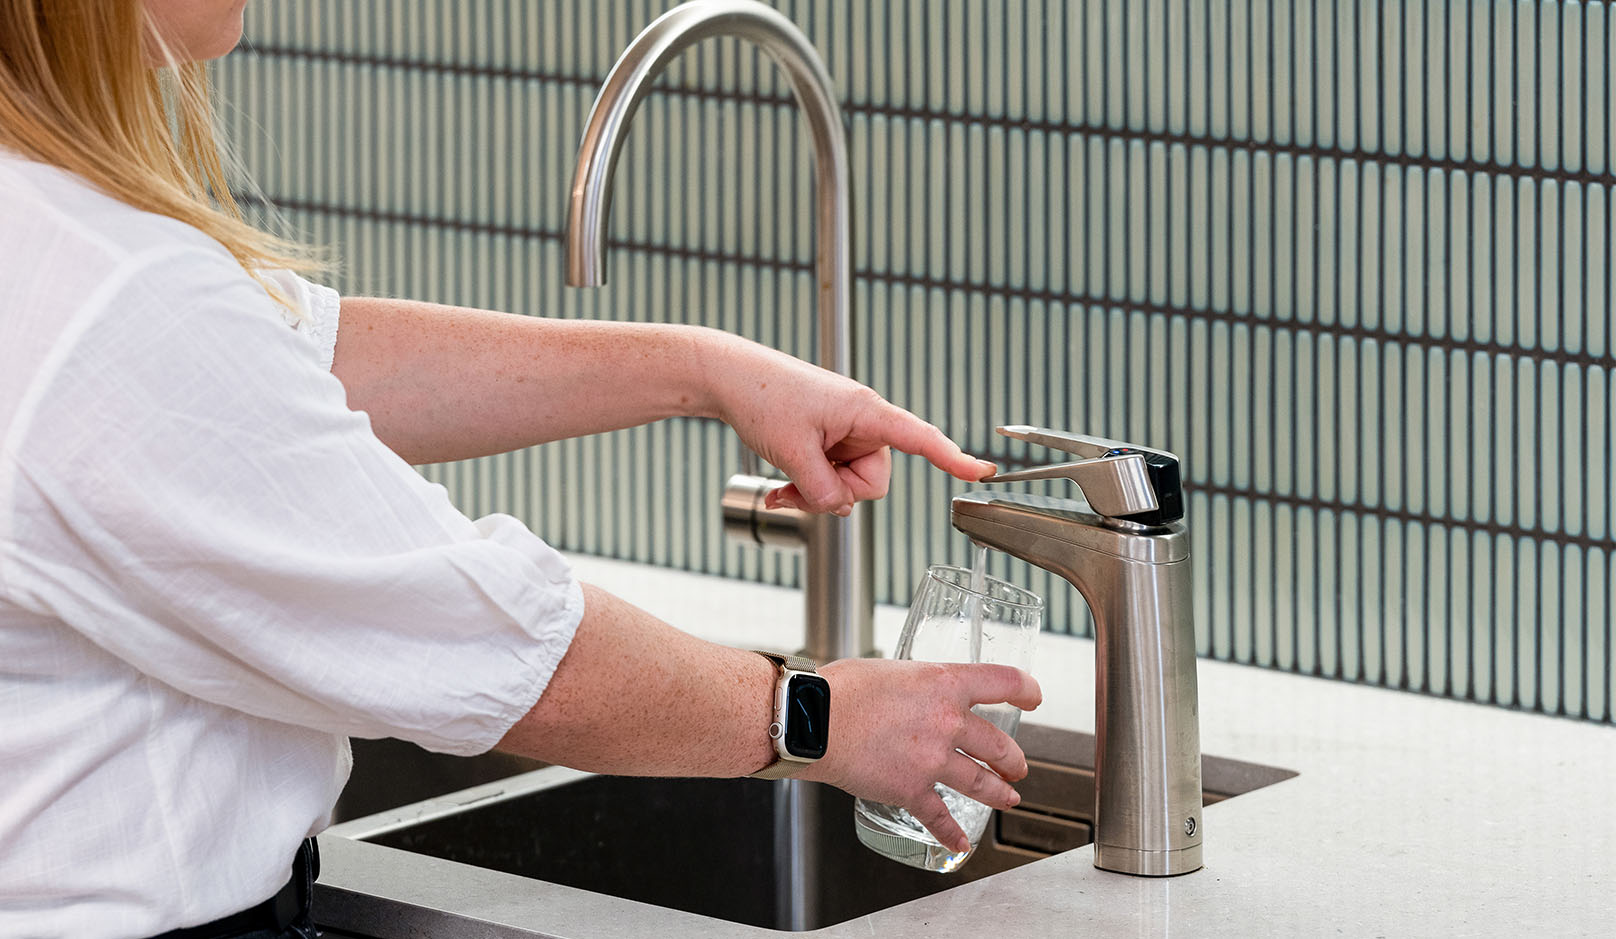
(801, 726)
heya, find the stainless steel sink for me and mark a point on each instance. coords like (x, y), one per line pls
(720, 848)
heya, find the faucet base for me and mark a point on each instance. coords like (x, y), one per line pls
(1110, 857)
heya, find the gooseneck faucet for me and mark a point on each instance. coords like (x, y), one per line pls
(1127, 553)
(838, 574)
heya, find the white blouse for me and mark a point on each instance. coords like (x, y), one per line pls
(212, 574)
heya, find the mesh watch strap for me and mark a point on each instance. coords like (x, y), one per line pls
(783, 768)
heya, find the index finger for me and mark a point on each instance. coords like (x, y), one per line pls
(912, 435)
(996, 684)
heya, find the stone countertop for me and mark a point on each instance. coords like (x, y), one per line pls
(1410, 816)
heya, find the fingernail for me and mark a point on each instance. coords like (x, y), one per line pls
(1015, 797)
(845, 511)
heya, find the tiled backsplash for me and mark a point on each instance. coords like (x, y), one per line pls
(1351, 260)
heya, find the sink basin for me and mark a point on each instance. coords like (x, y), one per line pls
(721, 847)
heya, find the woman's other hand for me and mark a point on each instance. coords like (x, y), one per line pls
(897, 727)
(829, 434)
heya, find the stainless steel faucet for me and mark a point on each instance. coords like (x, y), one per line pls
(838, 574)
(1127, 553)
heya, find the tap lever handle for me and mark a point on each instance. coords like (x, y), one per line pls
(1076, 444)
(1120, 480)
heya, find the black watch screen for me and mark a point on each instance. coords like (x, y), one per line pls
(807, 716)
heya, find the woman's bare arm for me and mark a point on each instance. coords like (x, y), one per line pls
(447, 383)
(634, 696)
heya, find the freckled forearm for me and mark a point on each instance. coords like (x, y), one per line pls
(634, 696)
(446, 383)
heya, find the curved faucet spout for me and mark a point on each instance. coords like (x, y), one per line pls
(838, 572)
(630, 80)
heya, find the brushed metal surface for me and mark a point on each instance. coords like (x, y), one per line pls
(1147, 811)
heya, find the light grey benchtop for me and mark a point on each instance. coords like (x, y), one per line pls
(1410, 816)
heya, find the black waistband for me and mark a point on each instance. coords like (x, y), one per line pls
(288, 907)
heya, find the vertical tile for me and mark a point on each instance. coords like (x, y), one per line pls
(1264, 89)
(1481, 622)
(1351, 599)
(1571, 235)
(1369, 94)
(1283, 98)
(1549, 271)
(1156, 64)
(1484, 439)
(1220, 229)
(1265, 237)
(1596, 275)
(1240, 253)
(1287, 576)
(1327, 239)
(1438, 255)
(1393, 67)
(1345, 115)
(1262, 568)
(1598, 407)
(1599, 652)
(1596, 86)
(1114, 79)
(1136, 66)
(1159, 197)
(1309, 589)
(1094, 78)
(1372, 603)
(1352, 285)
(1524, 93)
(1136, 204)
(1218, 68)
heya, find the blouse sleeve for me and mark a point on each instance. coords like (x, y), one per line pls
(318, 311)
(192, 493)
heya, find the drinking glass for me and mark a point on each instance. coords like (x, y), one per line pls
(957, 615)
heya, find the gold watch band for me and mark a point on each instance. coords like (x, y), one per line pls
(797, 663)
(783, 768)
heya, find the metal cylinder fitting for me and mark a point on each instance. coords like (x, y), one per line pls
(746, 518)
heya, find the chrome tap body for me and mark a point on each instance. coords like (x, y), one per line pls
(1135, 576)
(838, 573)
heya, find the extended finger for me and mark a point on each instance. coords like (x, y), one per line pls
(968, 777)
(913, 435)
(930, 811)
(981, 739)
(1001, 684)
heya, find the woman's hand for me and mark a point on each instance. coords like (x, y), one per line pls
(897, 727)
(825, 431)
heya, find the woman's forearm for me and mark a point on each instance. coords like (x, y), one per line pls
(447, 383)
(634, 696)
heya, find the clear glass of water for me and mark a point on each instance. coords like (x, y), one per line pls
(957, 615)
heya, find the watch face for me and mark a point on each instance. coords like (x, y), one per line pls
(807, 716)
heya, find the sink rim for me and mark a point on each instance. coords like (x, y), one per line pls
(1221, 778)
(423, 875)
(453, 803)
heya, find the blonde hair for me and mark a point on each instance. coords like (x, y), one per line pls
(78, 91)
